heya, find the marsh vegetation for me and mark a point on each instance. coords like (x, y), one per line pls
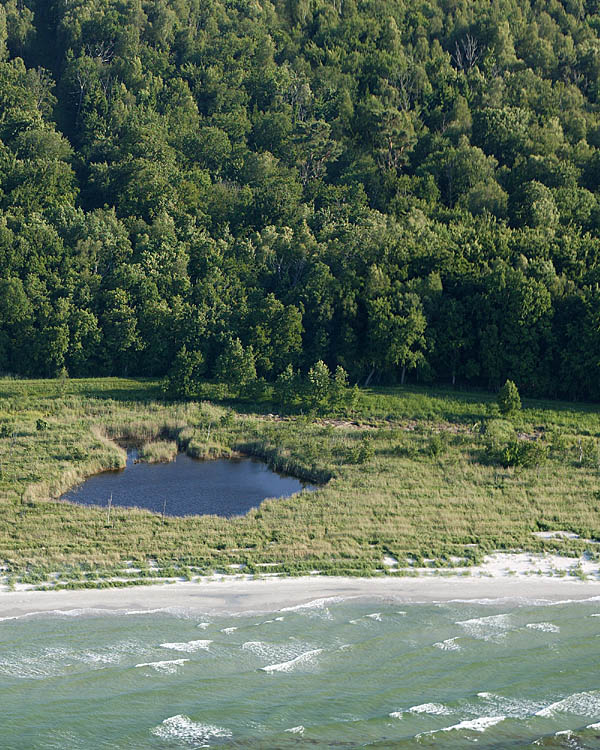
(408, 473)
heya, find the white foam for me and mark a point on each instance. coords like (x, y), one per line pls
(518, 708)
(181, 727)
(256, 647)
(55, 661)
(315, 604)
(61, 612)
(94, 657)
(375, 616)
(472, 725)
(296, 730)
(449, 644)
(189, 646)
(436, 709)
(545, 627)
(30, 668)
(169, 666)
(79, 611)
(580, 704)
(27, 614)
(593, 726)
(203, 625)
(228, 631)
(486, 628)
(83, 611)
(277, 652)
(287, 666)
(558, 602)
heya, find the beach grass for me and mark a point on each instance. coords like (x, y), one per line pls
(411, 473)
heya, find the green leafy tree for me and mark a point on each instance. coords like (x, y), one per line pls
(293, 176)
(341, 396)
(509, 400)
(235, 365)
(287, 387)
(185, 375)
(317, 388)
(396, 332)
(121, 335)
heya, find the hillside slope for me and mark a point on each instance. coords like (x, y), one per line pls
(396, 187)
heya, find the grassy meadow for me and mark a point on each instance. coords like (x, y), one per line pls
(410, 473)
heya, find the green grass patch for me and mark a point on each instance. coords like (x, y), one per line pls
(408, 473)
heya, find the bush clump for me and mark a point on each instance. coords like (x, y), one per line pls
(364, 452)
(509, 400)
(523, 453)
(437, 445)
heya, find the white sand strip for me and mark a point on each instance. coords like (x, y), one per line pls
(267, 595)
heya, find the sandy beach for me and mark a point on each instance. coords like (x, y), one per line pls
(236, 594)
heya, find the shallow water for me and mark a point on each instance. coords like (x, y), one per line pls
(334, 673)
(225, 487)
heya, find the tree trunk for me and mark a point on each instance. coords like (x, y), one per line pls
(369, 376)
(403, 375)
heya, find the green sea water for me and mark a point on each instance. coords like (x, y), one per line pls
(330, 674)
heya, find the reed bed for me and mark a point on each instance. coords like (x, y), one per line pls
(158, 451)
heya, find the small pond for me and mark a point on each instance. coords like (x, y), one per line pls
(224, 487)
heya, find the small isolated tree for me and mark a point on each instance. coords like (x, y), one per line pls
(318, 386)
(509, 400)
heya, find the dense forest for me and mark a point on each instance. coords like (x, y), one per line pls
(397, 187)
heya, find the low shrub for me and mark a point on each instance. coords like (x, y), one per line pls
(525, 453)
(437, 445)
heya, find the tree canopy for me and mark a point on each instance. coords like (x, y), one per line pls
(402, 188)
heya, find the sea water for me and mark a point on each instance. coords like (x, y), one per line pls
(332, 673)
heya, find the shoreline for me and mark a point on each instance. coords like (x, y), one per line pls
(234, 595)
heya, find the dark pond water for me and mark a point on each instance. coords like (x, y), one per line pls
(225, 487)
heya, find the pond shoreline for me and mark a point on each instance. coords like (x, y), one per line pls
(186, 487)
